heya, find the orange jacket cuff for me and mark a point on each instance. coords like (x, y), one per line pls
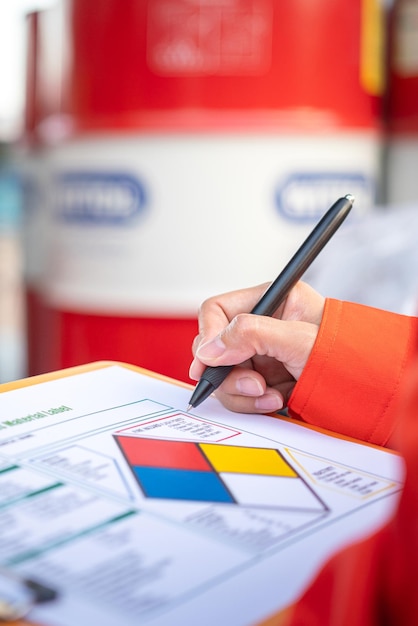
(350, 384)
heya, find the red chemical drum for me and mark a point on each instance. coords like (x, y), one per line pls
(402, 115)
(29, 159)
(194, 145)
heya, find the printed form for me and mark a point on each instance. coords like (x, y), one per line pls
(136, 511)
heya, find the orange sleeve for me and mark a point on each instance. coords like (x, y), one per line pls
(374, 581)
(351, 382)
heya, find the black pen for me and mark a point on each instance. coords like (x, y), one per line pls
(269, 302)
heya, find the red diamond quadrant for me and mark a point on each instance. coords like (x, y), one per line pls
(161, 453)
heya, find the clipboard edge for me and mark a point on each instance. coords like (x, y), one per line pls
(81, 369)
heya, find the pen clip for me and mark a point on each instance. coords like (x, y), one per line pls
(18, 595)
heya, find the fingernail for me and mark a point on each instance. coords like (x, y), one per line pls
(269, 402)
(249, 386)
(211, 349)
(192, 367)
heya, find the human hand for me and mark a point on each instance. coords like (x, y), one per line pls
(269, 352)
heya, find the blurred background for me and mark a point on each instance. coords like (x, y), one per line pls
(156, 152)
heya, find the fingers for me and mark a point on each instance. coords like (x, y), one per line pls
(302, 304)
(287, 342)
(215, 313)
(270, 402)
(245, 391)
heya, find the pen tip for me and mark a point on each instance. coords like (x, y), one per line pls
(188, 408)
(350, 197)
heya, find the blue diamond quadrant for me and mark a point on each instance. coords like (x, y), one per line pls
(181, 484)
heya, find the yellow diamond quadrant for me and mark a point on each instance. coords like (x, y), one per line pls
(247, 460)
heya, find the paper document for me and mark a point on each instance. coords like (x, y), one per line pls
(138, 512)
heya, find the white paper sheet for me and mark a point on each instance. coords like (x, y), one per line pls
(138, 512)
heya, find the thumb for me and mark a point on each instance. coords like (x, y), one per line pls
(247, 335)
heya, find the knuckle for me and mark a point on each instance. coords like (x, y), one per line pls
(240, 324)
(244, 327)
(207, 305)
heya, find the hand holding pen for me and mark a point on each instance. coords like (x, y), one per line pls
(271, 352)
